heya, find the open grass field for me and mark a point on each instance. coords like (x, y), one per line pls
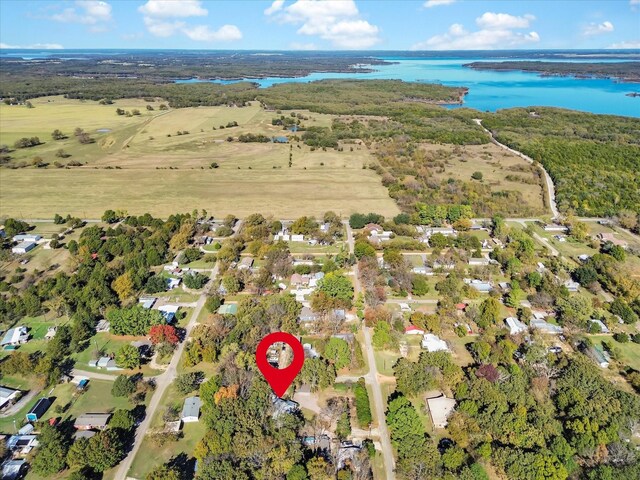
(128, 166)
(630, 351)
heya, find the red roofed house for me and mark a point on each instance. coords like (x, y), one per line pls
(413, 330)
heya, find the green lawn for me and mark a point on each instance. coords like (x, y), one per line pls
(630, 351)
(304, 247)
(150, 455)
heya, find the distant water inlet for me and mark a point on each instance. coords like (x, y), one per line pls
(491, 90)
(103, 130)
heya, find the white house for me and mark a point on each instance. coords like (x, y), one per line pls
(15, 336)
(8, 395)
(433, 343)
(172, 283)
(297, 238)
(515, 325)
(440, 408)
(554, 227)
(23, 247)
(404, 307)
(600, 323)
(191, 409)
(545, 327)
(479, 285)
(479, 261)
(572, 286)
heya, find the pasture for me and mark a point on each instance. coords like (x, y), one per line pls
(142, 165)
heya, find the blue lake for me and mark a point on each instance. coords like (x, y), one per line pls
(490, 90)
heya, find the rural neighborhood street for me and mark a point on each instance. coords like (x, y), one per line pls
(372, 378)
(165, 379)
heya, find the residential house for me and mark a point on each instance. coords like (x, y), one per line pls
(422, 270)
(545, 327)
(92, 421)
(103, 326)
(572, 286)
(446, 231)
(145, 347)
(245, 263)
(440, 408)
(15, 336)
(413, 330)
(147, 302)
(307, 315)
(515, 326)
(373, 227)
(22, 445)
(172, 283)
(297, 238)
(404, 307)
(8, 396)
(39, 409)
(554, 227)
(14, 469)
(168, 312)
(479, 285)
(598, 355)
(477, 262)
(600, 324)
(51, 332)
(23, 247)
(107, 363)
(433, 343)
(282, 406)
(315, 278)
(191, 409)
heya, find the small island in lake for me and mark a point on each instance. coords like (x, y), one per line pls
(628, 72)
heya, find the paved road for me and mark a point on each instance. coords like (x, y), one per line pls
(372, 379)
(16, 407)
(551, 191)
(165, 379)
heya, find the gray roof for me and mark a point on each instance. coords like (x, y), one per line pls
(6, 392)
(191, 407)
(92, 420)
(12, 468)
(84, 434)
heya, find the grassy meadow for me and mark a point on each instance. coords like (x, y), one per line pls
(142, 165)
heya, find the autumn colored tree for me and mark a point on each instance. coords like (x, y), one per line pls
(123, 286)
(225, 392)
(163, 334)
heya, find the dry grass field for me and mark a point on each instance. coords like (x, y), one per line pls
(495, 164)
(142, 165)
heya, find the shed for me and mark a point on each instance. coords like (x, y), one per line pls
(23, 247)
(191, 409)
(38, 410)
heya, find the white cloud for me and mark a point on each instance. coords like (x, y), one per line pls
(625, 44)
(164, 18)
(202, 33)
(173, 8)
(86, 12)
(437, 3)
(598, 28)
(276, 6)
(37, 46)
(499, 21)
(497, 30)
(337, 21)
(161, 28)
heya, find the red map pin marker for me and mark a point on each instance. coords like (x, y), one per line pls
(280, 379)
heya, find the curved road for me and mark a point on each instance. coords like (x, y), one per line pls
(551, 191)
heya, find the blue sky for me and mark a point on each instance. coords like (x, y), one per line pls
(320, 24)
